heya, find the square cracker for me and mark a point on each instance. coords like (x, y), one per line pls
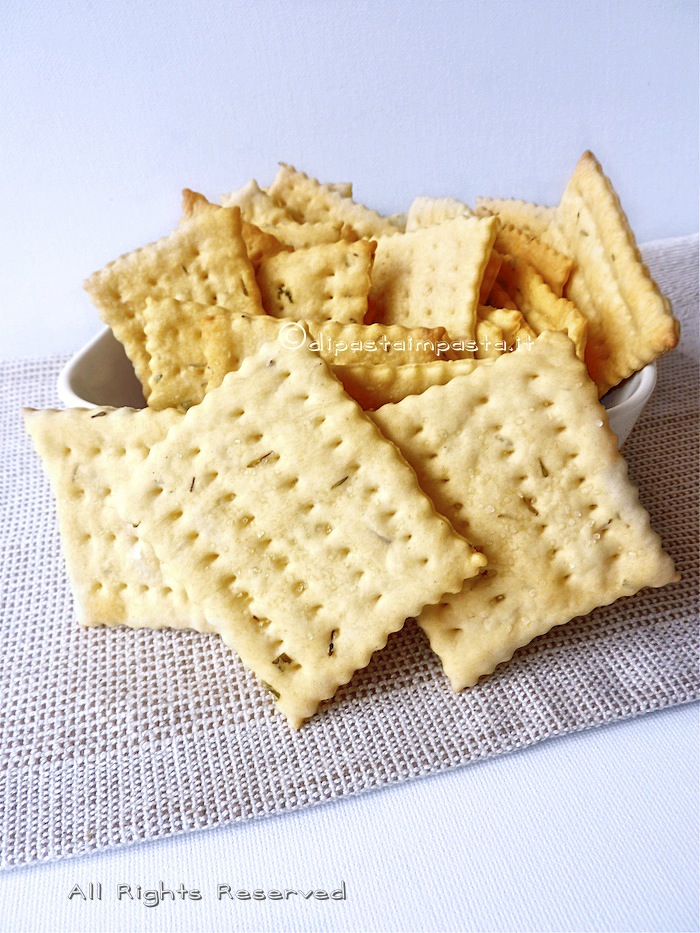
(260, 243)
(295, 525)
(205, 260)
(520, 458)
(432, 276)
(306, 199)
(328, 282)
(629, 320)
(115, 576)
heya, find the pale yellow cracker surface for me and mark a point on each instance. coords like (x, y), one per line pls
(534, 218)
(490, 340)
(374, 386)
(295, 525)
(552, 265)
(256, 205)
(520, 458)
(203, 260)
(306, 199)
(177, 360)
(510, 322)
(229, 338)
(260, 243)
(299, 235)
(115, 576)
(432, 277)
(425, 211)
(629, 320)
(538, 304)
(320, 283)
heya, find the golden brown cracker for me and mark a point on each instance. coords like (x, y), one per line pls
(629, 321)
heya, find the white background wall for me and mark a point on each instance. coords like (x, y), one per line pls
(110, 107)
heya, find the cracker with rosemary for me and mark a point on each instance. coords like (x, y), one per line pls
(307, 199)
(204, 260)
(115, 575)
(295, 526)
(328, 282)
(178, 366)
(260, 243)
(229, 338)
(629, 321)
(432, 276)
(519, 456)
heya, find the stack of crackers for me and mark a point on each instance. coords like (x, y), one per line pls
(353, 420)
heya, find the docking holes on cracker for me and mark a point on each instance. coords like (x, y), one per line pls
(353, 419)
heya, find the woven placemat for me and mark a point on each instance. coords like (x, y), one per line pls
(108, 737)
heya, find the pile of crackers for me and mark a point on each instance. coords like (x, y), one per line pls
(354, 419)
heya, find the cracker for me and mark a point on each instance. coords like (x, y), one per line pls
(203, 260)
(295, 525)
(228, 339)
(488, 279)
(490, 340)
(300, 235)
(499, 298)
(321, 283)
(424, 211)
(552, 265)
(306, 199)
(540, 307)
(257, 207)
(374, 386)
(432, 276)
(510, 322)
(629, 321)
(520, 458)
(178, 376)
(260, 243)
(533, 218)
(115, 575)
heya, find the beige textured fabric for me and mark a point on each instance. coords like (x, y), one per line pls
(112, 736)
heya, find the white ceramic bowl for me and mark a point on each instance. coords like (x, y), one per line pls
(100, 374)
